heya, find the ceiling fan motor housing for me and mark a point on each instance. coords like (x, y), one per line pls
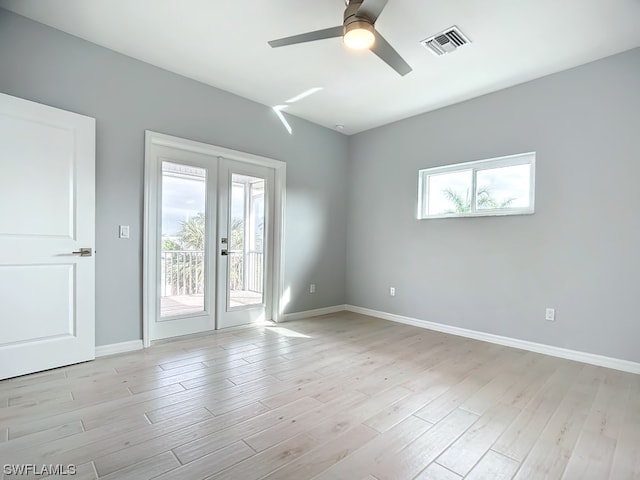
(352, 21)
(351, 16)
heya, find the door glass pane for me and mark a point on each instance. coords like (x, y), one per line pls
(246, 241)
(182, 257)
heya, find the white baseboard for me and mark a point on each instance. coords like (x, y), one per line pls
(591, 358)
(312, 313)
(122, 347)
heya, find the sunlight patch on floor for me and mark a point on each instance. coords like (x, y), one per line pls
(286, 332)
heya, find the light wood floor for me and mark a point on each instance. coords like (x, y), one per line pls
(336, 397)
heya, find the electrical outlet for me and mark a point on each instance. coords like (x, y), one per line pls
(550, 314)
(123, 231)
(392, 291)
(312, 288)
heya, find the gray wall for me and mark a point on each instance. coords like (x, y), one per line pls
(126, 97)
(580, 251)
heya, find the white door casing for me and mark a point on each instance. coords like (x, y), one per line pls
(152, 222)
(47, 211)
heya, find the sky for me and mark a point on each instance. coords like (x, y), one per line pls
(184, 197)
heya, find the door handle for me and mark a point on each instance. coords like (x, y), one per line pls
(224, 252)
(83, 252)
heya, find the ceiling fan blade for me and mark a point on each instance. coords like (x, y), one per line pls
(386, 52)
(308, 37)
(371, 9)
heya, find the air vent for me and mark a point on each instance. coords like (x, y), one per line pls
(446, 41)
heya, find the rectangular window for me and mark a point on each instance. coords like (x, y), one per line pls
(497, 186)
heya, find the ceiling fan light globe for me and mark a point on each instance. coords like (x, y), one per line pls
(359, 36)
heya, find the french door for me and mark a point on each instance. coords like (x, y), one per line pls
(185, 269)
(210, 242)
(245, 222)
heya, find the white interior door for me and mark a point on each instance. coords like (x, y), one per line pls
(245, 243)
(185, 189)
(47, 215)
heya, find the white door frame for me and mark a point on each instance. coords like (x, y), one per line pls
(149, 274)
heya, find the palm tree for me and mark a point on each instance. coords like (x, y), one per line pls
(169, 244)
(460, 205)
(185, 264)
(236, 262)
(236, 238)
(186, 267)
(191, 233)
(486, 200)
(484, 197)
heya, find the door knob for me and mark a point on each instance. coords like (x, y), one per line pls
(83, 252)
(224, 252)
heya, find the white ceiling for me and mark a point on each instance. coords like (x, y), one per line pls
(224, 44)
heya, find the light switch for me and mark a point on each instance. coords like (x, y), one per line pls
(124, 231)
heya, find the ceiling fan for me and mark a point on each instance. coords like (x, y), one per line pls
(358, 31)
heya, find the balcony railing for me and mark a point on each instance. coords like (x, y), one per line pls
(182, 271)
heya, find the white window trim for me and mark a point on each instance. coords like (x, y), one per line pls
(528, 158)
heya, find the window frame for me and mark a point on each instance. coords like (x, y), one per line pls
(528, 158)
